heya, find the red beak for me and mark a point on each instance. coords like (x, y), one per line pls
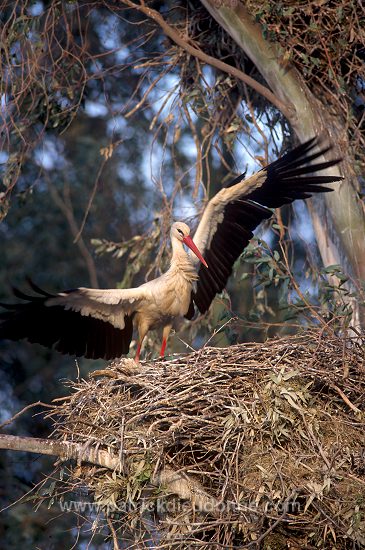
(190, 243)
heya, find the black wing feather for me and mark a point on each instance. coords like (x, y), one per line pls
(283, 183)
(227, 244)
(286, 180)
(68, 331)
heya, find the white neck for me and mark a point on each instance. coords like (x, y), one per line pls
(181, 261)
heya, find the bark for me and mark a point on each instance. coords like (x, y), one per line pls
(338, 218)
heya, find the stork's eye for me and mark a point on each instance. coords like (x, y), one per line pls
(181, 233)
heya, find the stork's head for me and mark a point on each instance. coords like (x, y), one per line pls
(181, 232)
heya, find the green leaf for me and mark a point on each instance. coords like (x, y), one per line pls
(332, 268)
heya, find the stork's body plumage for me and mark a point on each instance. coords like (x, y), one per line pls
(169, 296)
(99, 323)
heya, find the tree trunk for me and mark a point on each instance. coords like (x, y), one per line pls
(338, 218)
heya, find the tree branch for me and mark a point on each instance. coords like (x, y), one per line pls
(285, 108)
(65, 450)
(176, 482)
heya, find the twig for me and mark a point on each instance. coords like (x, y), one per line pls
(19, 413)
(114, 534)
(65, 205)
(345, 399)
(91, 199)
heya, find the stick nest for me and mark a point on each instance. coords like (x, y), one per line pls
(253, 446)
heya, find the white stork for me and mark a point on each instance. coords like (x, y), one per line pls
(99, 323)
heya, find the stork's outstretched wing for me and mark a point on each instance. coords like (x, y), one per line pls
(83, 322)
(235, 211)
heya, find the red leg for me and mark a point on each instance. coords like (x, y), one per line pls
(138, 352)
(163, 347)
(165, 335)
